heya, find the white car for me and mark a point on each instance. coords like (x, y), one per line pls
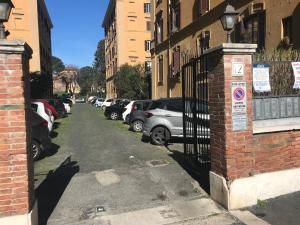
(67, 107)
(108, 102)
(99, 102)
(45, 113)
(126, 113)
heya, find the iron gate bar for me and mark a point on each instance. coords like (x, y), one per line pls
(196, 112)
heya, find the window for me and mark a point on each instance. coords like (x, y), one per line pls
(287, 24)
(175, 15)
(176, 62)
(147, 45)
(148, 25)
(175, 105)
(147, 7)
(203, 6)
(148, 65)
(159, 28)
(251, 30)
(203, 42)
(160, 69)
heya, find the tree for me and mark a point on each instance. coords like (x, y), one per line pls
(70, 78)
(99, 63)
(131, 82)
(57, 65)
(88, 80)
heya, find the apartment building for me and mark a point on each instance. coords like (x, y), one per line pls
(30, 21)
(127, 26)
(186, 27)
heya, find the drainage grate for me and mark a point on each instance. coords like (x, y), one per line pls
(157, 163)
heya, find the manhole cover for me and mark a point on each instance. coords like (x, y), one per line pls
(157, 163)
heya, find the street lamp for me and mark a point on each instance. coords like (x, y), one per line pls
(228, 20)
(5, 9)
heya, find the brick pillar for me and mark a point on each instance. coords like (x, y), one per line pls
(17, 203)
(230, 104)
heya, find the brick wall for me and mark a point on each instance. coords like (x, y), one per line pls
(276, 151)
(237, 154)
(16, 166)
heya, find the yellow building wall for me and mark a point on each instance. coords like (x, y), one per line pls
(192, 24)
(129, 42)
(23, 25)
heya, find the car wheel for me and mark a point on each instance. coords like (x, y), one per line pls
(114, 116)
(36, 150)
(103, 107)
(137, 126)
(160, 136)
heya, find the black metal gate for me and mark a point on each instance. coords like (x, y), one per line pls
(196, 126)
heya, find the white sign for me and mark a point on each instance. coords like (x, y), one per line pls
(239, 122)
(238, 69)
(296, 69)
(239, 97)
(261, 78)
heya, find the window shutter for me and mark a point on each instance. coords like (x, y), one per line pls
(204, 6)
(176, 62)
(146, 46)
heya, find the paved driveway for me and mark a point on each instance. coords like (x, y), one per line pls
(110, 174)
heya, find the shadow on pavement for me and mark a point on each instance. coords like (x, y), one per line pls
(53, 134)
(51, 189)
(198, 173)
(52, 151)
(56, 125)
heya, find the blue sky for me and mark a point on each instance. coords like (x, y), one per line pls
(77, 29)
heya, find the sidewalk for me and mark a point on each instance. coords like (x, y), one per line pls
(73, 207)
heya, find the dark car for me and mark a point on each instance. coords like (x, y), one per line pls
(59, 106)
(67, 101)
(41, 140)
(115, 111)
(137, 116)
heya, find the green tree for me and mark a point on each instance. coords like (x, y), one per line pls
(99, 63)
(57, 65)
(87, 80)
(131, 82)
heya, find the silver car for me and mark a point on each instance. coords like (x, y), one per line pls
(164, 120)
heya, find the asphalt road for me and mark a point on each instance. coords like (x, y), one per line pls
(108, 170)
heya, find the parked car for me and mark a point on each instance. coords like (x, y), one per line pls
(50, 107)
(41, 140)
(125, 115)
(44, 112)
(164, 119)
(59, 106)
(68, 101)
(137, 115)
(79, 100)
(91, 98)
(115, 111)
(107, 102)
(99, 102)
(67, 107)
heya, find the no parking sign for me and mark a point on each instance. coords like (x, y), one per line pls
(239, 97)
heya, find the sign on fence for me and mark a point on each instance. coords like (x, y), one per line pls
(239, 105)
(239, 98)
(296, 69)
(261, 77)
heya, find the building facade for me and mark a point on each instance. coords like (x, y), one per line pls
(30, 21)
(183, 28)
(127, 26)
